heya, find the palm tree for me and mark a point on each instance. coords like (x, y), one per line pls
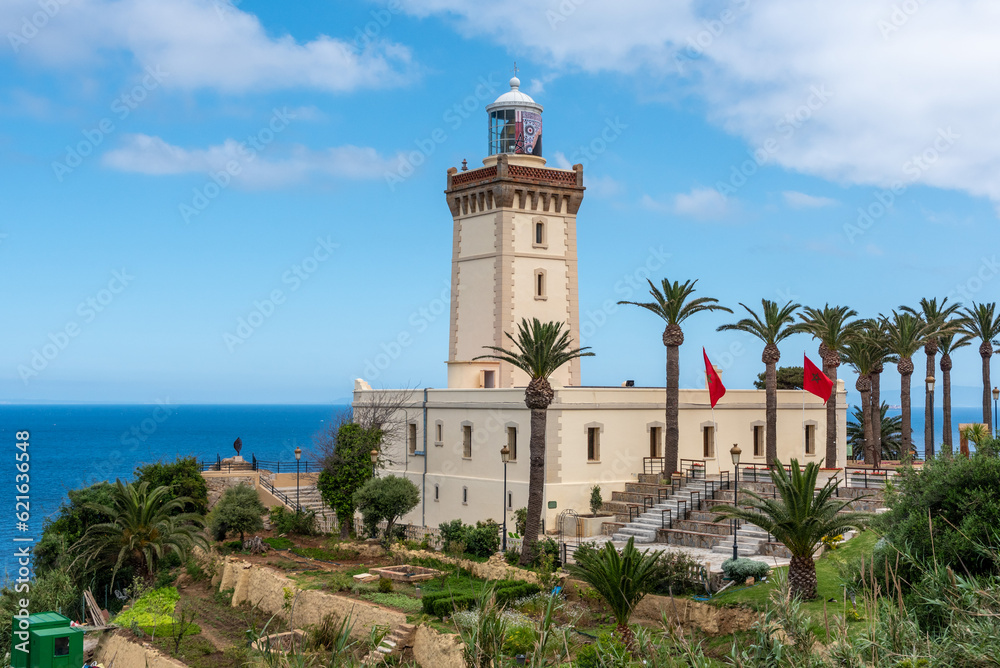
(799, 518)
(982, 323)
(622, 580)
(772, 329)
(862, 352)
(878, 336)
(906, 334)
(948, 343)
(539, 349)
(937, 315)
(671, 304)
(832, 327)
(891, 427)
(142, 528)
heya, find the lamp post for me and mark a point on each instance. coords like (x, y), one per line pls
(735, 453)
(996, 395)
(505, 457)
(298, 456)
(374, 455)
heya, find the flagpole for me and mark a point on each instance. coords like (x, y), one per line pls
(803, 403)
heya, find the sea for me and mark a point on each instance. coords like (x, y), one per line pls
(73, 446)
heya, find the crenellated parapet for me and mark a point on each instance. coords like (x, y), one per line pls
(515, 186)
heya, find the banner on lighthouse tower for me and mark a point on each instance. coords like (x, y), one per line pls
(528, 132)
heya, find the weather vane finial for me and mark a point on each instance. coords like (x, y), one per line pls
(515, 68)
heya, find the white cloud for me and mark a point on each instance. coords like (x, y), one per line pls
(854, 91)
(603, 186)
(199, 44)
(798, 200)
(700, 203)
(274, 166)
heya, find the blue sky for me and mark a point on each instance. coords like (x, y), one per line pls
(170, 168)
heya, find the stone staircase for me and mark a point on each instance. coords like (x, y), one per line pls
(393, 644)
(311, 499)
(691, 519)
(641, 507)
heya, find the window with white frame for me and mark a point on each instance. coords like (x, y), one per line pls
(467, 441)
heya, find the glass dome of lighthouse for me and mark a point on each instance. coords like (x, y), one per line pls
(515, 123)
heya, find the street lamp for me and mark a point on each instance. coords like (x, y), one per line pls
(374, 454)
(735, 453)
(298, 456)
(996, 395)
(505, 457)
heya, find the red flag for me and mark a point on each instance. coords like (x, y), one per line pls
(815, 381)
(715, 387)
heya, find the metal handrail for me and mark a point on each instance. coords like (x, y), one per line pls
(281, 496)
(635, 507)
(876, 475)
(693, 494)
(669, 524)
(304, 466)
(682, 515)
(692, 465)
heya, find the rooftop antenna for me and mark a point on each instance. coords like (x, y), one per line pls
(515, 70)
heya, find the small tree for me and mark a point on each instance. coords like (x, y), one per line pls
(346, 468)
(183, 477)
(596, 501)
(386, 499)
(238, 511)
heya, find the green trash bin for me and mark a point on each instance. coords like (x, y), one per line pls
(50, 642)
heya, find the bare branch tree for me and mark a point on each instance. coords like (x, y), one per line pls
(381, 409)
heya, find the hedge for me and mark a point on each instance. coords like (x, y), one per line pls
(444, 603)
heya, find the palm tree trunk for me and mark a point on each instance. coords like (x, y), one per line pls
(771, 411)
(802, 578)
(672, 431)
(929, 412)
(831, 417)
(946, 403)
(904, 404)
(876, 410)
(987, 417)
(866, 412)
(536, 485)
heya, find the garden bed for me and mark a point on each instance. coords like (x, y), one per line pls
(406, 573)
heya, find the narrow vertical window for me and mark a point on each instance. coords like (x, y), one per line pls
(510, 500)
(411, 440)
(512, 442)
(708, 442)
(465, 495)
(539, 233)
(758, 441)
(467, 441)
(437, 495)
(440, 432)
(593, 444)
(654, 442)
(539, 284)
(810, 439)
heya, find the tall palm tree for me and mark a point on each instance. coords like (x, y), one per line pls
(878, 337)
(982, 322)
(798, 518)
(833, 327)
(539, 349)
(941, 316)
(862, 352)
(891, 426)
(622, 580)
(142, 528)
(772, 327)
(948, 343)
(670, 302)
(906, 334)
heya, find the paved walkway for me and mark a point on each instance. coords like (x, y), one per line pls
(701, 555)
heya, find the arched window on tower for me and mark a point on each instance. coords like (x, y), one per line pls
(540, 284)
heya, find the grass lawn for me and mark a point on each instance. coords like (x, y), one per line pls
(828, 582)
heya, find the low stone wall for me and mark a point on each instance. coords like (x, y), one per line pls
(267, 589)
(219, 481)
(687, 538)
(494, 569)
(687, 613)
(117, 650)
(432, 649)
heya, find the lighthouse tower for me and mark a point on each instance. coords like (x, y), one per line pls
(513, 247)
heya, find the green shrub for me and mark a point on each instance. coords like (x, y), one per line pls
(742, 568)
(483, 540)
(280, 543)
(384, 585)
(674, 574)
(195, 570)
(224, 596)
(395, 600)
(520, 640)
(608, 652)
(335, 553)
(520, 521)
(302, 523)
(168, 629)
(442, 603)
(155, 607)
(238, 511)
(596, 501)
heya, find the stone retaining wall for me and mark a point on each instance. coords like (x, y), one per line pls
(117, 650)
